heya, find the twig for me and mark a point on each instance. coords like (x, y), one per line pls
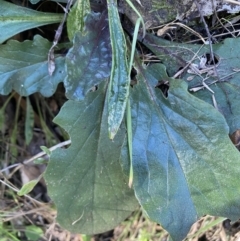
(171, 25)
(223, 79)
(51, 58)
(17, 190)
(19, 165)
(187, 65)
(209, 38)
(232, 1)
(59, 145)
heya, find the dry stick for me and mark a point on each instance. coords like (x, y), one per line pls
(215, 13)
(186, 28)
(209, 38)
(216, 35)
(17, 190)
(232, 1)
(210, 45)
(24, 213)
(51, 59)
(19, 165)
(187, 65)
(219, 20)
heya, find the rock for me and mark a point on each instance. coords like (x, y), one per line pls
(157, 12)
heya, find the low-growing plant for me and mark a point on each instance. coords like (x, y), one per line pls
(161, 142)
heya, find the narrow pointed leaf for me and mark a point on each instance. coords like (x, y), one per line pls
(184, 163)
(76, 17)
(29, 122)
(28, 187)
(85, 181)
(88, 62)
(120, 80)
(23, 68)
(15, 19)
(46, 150)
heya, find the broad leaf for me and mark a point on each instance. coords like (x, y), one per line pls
(77, 16)
(227, 88)
(226, 85)
(15, 19)
(120, 79)
(173, 55)
(184, 164)
(88, 62)
(85, 181)
(23, 68)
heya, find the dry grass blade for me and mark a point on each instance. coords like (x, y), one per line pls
(232, 1)
(170, 26)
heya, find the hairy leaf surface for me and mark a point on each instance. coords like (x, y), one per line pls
(88, 62)
(85, 181)
(184, 163)
(225, 84)
(15, 19)
(23, 68)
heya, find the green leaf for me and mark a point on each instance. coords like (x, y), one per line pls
(34, 1)
(226, 91)
(28, 187)
(15, 19)
(40, 160)
(46, 150)
(120, 79)
(86, 237)
(184, 163)
(33, 233)
(88, 62)
(86, 181)
(29, 122)
(76, 17)
(23, 68)
(173, 55)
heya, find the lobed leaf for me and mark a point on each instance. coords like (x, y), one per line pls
(88, 62)
(85, 181)
(184, 164)
(23, 68)
(227, 88)
(226, 85)
(15, 19)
